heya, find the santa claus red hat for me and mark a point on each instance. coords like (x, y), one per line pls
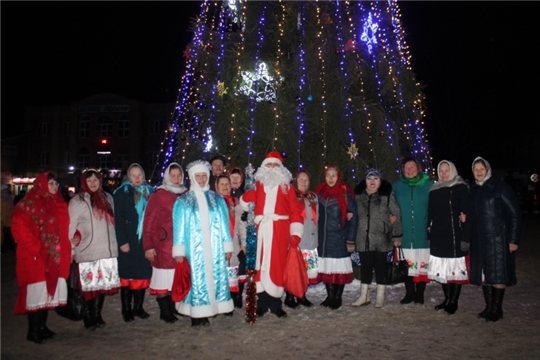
(273, 157)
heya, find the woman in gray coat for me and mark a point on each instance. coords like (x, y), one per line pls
(92, 233)
(379, 230)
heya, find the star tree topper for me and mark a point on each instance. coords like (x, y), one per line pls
(369, 27)
(353, 151)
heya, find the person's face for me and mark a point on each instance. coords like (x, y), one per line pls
(93, 183)
(410, 169)
(236, 181)
(479, 171)
(136, 176)
(201, 179)
(217, 167)
(53, 186)
(176, 176)
(223, 187)
(272, 165)
(444, 172)
(303, 182)
(372, 184)
(331, 177)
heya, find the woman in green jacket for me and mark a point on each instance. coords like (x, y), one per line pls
(412, 195)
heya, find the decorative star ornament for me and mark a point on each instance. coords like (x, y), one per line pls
(187, 53)
(368, 33)
(352, 151)
(222, 90)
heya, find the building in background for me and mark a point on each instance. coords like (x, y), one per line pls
(105, 131)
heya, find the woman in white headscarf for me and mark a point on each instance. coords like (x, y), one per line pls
(202, 236)
(158, 238)
(495, 237)
(449, 234)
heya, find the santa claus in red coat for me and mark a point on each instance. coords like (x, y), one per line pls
(279, 225)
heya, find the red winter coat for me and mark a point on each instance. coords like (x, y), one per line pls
(158, 228)
(27, 231)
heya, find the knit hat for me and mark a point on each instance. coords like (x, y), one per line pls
(273, 157)
(374, 172)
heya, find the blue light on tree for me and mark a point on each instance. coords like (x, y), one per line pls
(368, 34)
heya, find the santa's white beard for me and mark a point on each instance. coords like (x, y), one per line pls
(273, 176)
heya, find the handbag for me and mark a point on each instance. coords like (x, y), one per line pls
(75, 301)
(397, 271)
(232, 272)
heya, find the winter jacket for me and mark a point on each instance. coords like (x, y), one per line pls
(496, 223)
(133, 264)
(158, 228)
(413, 202)
(98, 237)
(447, 232)
(375, 233)
(332, 236)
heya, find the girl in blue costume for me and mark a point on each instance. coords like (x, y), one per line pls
(135, 271)
(203, 237)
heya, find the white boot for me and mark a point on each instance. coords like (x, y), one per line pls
(364, 298)
(380, 296)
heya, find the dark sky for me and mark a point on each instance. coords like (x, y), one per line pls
(476, 59)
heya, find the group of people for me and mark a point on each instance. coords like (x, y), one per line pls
(134, 240)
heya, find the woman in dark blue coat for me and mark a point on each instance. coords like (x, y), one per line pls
(130, 201)
(337, 227)
(497, 229)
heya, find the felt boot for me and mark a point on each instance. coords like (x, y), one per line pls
(381, 289)
(364, 298)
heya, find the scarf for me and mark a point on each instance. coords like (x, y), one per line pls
(312, 198)
(141, 195)
(419, 180)
(231, 204)
(44, 210)
(455, 179)
(488, 168)
(168, 184)
(101, 206)
(340, 191)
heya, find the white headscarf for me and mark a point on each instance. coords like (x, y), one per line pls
(488, 168)
(196, 167)
(455, 179)
(168, 184)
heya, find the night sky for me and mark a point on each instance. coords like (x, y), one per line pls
(477, 61)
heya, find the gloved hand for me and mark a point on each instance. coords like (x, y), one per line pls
(244, 216)
(295, 240)
(350, 246)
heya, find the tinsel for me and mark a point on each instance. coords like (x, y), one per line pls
(251, 253)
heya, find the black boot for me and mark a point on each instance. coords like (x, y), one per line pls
(165, 309)
(88, 314)
(237, 299)
(488, 296)
(419, 293)
(138, 300)
(442, 305)
(409, 288)
(496, 312)
(35, 334)
(453, 297)
(200, 322)
(126, 295)
(330, 291)
(47, 333)
(304, 301)
(98, 306)
(290, 300)
(336, 304)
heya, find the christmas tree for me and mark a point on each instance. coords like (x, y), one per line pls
(321, 82)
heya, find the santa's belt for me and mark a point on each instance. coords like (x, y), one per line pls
(264, 234)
